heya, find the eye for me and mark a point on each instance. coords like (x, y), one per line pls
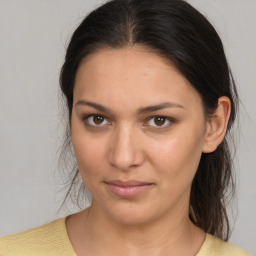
(160, 121)
(95, 120)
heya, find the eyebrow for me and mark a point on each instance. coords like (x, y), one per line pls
(142, 110)
(94, 105)
(157, 107)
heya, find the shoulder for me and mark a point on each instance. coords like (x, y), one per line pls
(214, 246)
(49, 239)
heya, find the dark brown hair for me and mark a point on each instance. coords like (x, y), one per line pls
(177, 31)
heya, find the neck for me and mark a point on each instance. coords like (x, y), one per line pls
(169, 235)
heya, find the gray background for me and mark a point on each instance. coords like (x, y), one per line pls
(33, 38)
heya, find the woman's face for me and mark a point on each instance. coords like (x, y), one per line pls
(138, 131)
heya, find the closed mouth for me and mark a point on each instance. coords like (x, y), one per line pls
(128, 189)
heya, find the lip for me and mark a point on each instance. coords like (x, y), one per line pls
(128, 189)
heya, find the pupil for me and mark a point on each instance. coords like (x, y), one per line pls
(159, 121)
(98, 119)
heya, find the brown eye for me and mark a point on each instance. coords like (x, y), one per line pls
(98, 120)
(159, 121)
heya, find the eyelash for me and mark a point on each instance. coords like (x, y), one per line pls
(170, 121)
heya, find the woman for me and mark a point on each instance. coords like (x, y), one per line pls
(151, 101)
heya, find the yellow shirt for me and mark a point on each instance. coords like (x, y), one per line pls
(52, 240)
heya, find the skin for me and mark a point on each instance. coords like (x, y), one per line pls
(126, 143)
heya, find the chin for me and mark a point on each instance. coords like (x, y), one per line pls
(131, 214)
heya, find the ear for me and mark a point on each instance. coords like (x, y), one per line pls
(217, 125)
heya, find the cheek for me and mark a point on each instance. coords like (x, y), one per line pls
(86, 151)
(89, 151)
(89, 162)
(178, 157)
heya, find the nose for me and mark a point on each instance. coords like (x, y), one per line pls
(126, 150)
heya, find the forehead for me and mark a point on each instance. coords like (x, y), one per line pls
(140, 61)
(132, 73)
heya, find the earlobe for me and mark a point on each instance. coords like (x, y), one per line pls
(217, 125)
